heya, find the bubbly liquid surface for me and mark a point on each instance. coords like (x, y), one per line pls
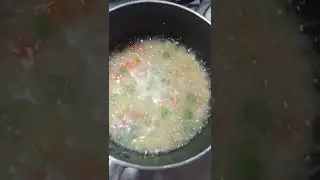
(158, 96)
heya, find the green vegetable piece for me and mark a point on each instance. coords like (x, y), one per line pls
(187, 114)
(123, 70)
(164, 112)
(191, 98)
(166, 55)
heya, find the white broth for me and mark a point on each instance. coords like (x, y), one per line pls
(158, 96)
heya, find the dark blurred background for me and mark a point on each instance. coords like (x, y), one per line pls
(53, 100)
(267, 66)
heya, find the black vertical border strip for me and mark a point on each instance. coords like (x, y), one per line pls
(212, 7)
(108, 52)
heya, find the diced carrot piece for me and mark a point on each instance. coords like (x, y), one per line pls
(129, 64)
(135, 115)
(174, 100)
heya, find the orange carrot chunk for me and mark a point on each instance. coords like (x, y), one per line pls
(135, 115)
(174, 100)
(129, 64)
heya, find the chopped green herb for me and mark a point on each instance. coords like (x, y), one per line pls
(164, 112)
(166, 55)
(123, 69)
(187, 114)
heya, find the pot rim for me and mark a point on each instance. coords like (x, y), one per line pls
(191, 159)
(160, 2)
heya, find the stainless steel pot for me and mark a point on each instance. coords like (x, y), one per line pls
(140, 19)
